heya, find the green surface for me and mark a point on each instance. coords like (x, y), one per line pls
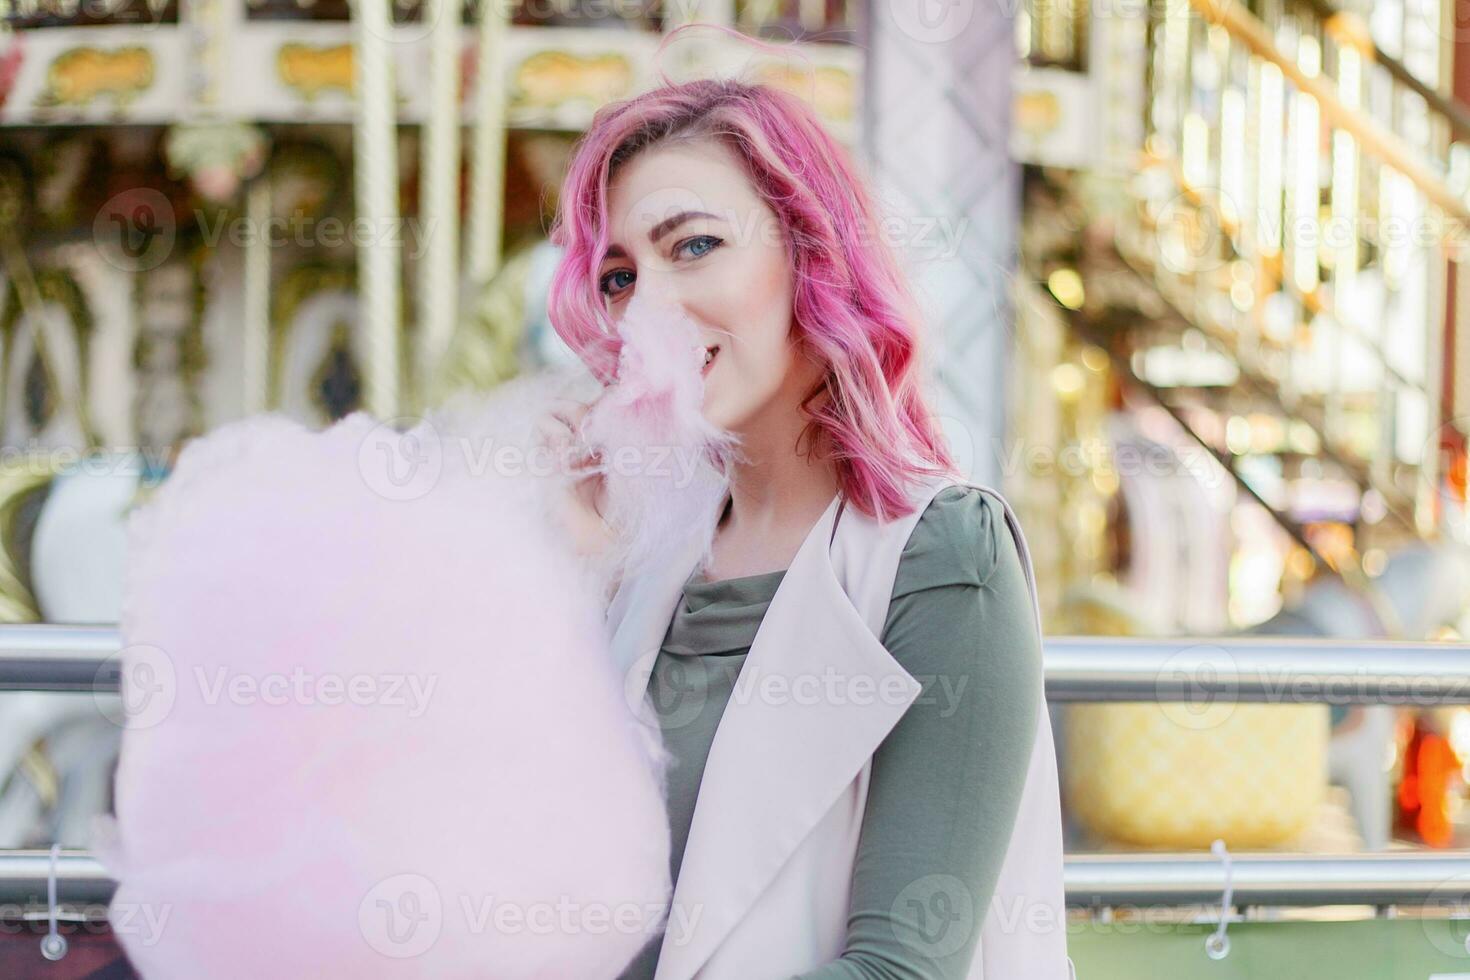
(1379, 949)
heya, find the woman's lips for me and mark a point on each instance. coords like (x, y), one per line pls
(711, 352)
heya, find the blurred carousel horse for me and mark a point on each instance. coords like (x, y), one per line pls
(505, 331)
(62, 554)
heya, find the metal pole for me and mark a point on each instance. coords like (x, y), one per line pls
(438, 268)
(488, 138)
(1306, 670)
(1114, 880)
(1282, 670)
(375, 165)
(1092, 880)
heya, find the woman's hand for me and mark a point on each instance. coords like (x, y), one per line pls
(581, 502)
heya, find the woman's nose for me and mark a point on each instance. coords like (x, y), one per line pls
(657, 287)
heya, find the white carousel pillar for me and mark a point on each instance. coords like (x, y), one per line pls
(487, 175)
(438, 272)
(255, 354)
(936, 125)
(375, 155)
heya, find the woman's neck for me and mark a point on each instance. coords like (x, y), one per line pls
(774, 501)
(780, 481)
(775, 491)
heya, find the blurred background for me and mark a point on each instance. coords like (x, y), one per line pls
(1194, 272)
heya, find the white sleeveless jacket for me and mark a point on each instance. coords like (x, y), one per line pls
(766, 875)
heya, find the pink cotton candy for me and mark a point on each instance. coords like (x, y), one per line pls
(373, 726)
(659, 453)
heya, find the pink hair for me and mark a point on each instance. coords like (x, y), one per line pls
(853, 310)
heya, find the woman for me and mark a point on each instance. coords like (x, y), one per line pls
(845, 834)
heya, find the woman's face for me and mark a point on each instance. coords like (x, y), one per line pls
(687, 225)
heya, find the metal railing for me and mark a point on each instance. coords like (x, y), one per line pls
(1296, 670)
(45, 657)
(1078, 669)
(1411, 879)
(1287, 670)
(1093, 881)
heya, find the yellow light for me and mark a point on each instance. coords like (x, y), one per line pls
(1460, 731)
(1267, 434)
(1269, 148)
(1194, 154)
(1066, 286)
(1304, 438)
(1301, 563)
(1309, 55)
(1232, 153)
(1067, 379)
(1242, 296)
(1238, 435)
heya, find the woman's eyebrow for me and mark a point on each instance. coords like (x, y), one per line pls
(669, 224)
(660, 230)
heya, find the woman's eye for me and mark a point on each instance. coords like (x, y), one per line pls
(693, 244)
(697, 247)
(607, 282)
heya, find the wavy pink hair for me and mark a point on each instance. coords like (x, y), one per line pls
(853, 310)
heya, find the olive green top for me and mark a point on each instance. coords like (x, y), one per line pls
(945, 784)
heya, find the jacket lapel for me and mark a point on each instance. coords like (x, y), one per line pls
(817, 694)
(639, 615)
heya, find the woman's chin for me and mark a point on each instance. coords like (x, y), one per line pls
(715, 417)
(711, 409)
(724, 412)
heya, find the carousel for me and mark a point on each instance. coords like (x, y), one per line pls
(217, 208)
